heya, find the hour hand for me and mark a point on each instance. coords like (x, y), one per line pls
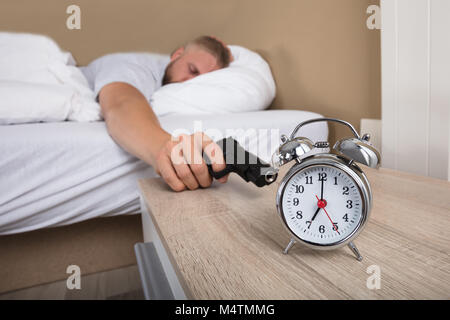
(315, 214)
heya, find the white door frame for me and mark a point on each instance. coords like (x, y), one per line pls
(415, 86)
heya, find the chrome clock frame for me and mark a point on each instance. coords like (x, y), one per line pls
(354, 172)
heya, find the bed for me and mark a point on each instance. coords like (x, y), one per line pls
(56, 174)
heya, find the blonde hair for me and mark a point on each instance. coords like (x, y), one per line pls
(214, 47)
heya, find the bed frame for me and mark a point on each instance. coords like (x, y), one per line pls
(37, 257)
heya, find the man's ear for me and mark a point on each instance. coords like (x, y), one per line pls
(177, 53)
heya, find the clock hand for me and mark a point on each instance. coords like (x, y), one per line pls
(315, 214)
(322, 204)
(334, 226)
(321, 191)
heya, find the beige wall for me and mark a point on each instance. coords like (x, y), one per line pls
(322, 55)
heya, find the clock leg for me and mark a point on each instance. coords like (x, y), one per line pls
(355, 251)
(291, 243)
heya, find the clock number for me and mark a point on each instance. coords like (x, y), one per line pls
(299, 189)
(309, 222)
(322, 229)
(309, 180)
(349, 204)
(296, 201)
(335, 181)
(346, 191)
(322, 176)
(299, 215)
(335, 224)
(345, 217)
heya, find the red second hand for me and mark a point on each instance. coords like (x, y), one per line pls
(334, 226)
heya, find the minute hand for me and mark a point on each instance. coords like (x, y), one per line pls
(321, 190)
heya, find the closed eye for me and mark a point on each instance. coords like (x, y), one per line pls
(193, 70)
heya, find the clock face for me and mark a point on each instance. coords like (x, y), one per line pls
(322, 205)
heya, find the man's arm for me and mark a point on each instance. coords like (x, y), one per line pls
(134, 126)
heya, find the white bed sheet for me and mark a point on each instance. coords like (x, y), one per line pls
(54, 174)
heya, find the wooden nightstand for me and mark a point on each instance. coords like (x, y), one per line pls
(226, 242)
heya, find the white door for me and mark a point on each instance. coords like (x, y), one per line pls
(415, 43)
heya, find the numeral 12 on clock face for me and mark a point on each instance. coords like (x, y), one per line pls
(322, 205)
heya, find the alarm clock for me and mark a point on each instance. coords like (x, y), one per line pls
(324, 200)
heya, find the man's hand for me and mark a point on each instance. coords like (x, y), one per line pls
(180, 162)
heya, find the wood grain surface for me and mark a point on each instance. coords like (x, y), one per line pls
(226, 242)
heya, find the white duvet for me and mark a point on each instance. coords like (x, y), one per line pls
(41, 83)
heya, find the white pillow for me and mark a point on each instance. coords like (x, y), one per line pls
(29, 57)
(40, 82)
(246, 85)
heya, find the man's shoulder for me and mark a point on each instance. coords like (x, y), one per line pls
(134, 57)
(142, 70)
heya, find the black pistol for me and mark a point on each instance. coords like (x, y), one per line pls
(248, 166)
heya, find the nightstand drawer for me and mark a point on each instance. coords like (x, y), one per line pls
(153, 277)
(158, 276)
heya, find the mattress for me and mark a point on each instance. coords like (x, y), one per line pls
(54, 174)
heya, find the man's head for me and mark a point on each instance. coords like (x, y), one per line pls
(199, 56)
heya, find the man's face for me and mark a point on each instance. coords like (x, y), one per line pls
(188, 63)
